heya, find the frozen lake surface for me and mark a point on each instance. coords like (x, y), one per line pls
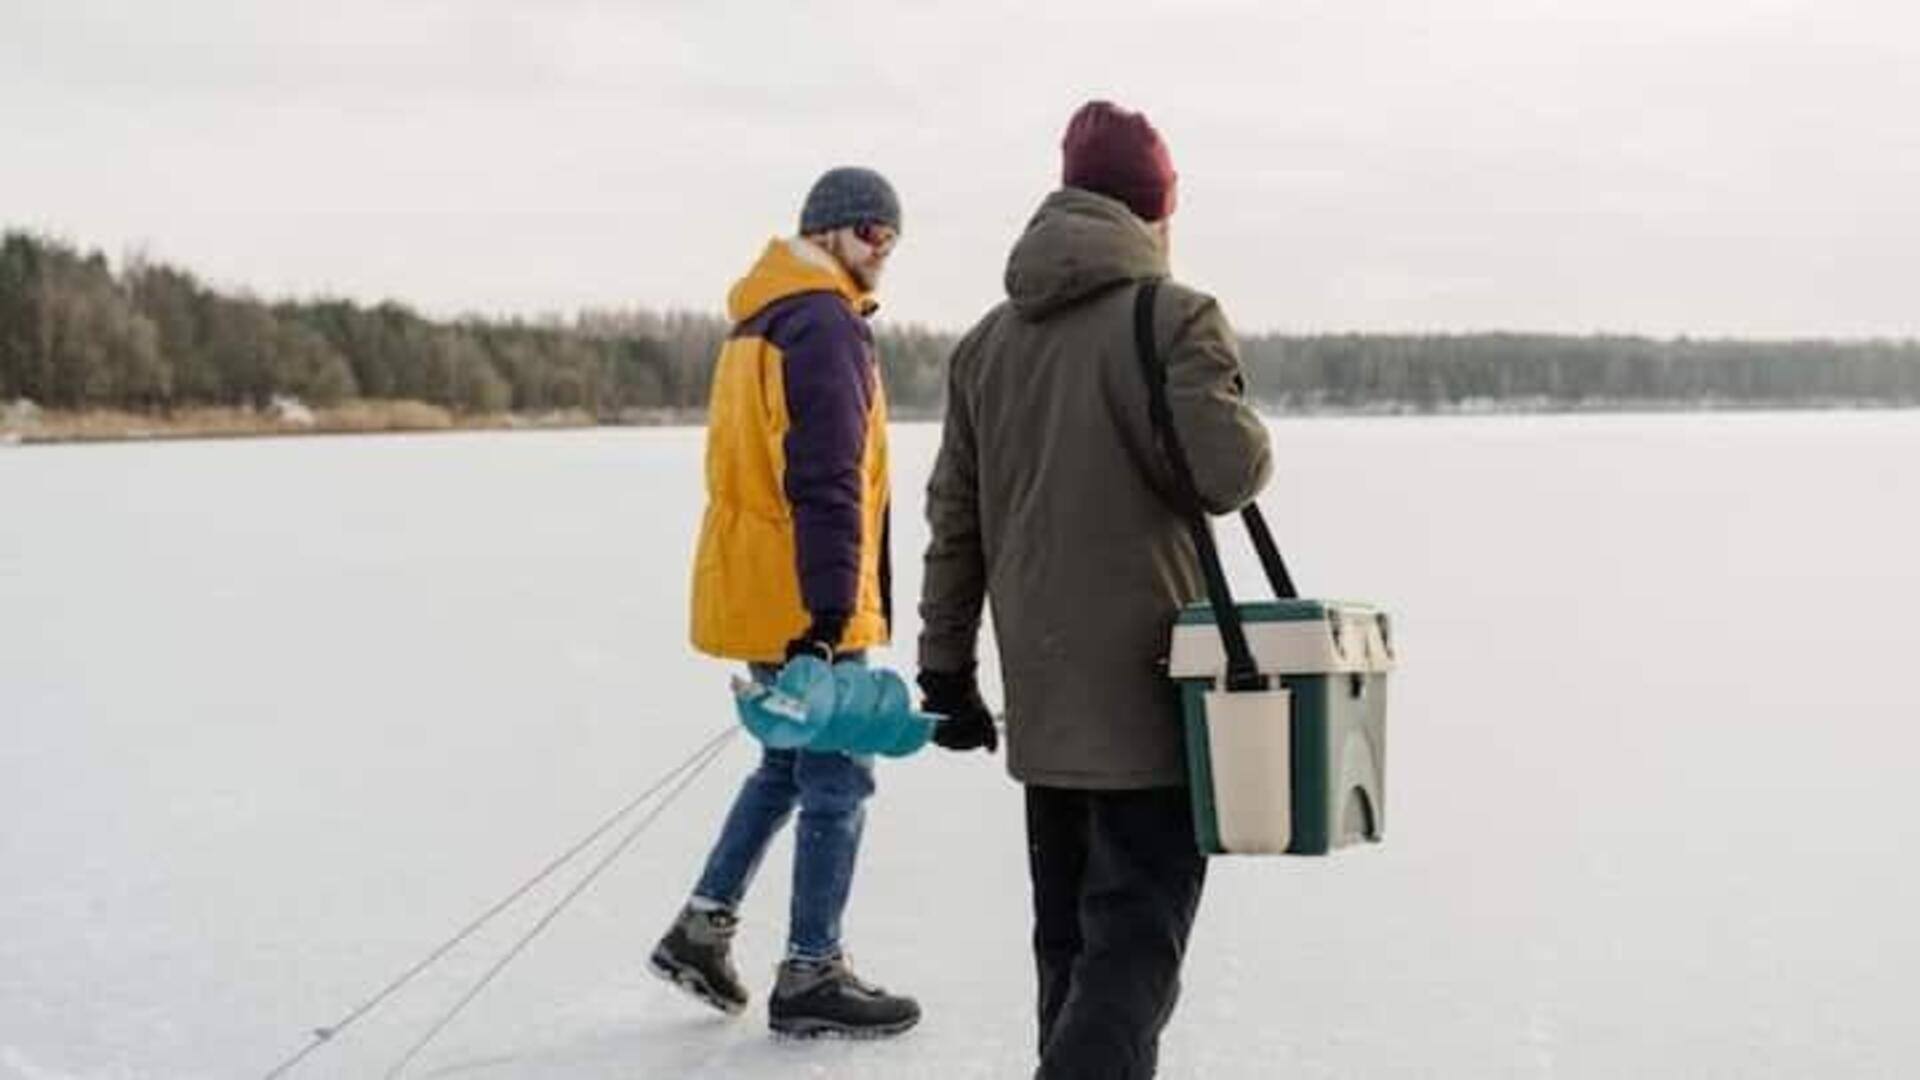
(277, 717)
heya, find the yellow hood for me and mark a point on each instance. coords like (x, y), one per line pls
(790, 267)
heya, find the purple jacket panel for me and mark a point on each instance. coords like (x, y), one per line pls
(828, 372)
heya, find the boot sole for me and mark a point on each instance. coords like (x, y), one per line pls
(808, 1027)
(694, 984)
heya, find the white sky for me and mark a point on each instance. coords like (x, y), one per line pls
(1685, 166)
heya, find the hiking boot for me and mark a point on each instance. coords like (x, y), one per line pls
(694, 955)
(825, 997)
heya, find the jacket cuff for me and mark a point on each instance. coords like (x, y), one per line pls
(827, 627)
(936, 655)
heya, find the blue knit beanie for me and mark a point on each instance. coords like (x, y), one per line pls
(846, 196)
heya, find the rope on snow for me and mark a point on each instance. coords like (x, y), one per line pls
(686, 772)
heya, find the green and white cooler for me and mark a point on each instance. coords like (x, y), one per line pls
(1298, 767)
(1284, 701)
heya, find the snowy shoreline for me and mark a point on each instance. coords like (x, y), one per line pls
(51, 428)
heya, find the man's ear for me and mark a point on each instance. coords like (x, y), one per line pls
(829, 242)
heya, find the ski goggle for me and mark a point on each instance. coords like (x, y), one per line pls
(880, 238)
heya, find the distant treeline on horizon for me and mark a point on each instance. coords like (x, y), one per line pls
(75, 333)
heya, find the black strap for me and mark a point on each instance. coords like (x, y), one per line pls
(1269, 552)
(1242, 672)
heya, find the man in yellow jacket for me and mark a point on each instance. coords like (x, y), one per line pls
(793, 560)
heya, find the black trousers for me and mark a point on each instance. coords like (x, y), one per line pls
(1116, 881)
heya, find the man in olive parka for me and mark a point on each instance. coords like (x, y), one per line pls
(1050, 500)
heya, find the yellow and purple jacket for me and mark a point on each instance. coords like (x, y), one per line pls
(796, 530)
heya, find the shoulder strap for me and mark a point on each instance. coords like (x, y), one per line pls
(1242, 672)
(1148, 350)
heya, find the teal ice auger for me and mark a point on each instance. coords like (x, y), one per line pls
(845, 707)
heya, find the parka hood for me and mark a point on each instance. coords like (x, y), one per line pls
(789, 267)
(1077, 244)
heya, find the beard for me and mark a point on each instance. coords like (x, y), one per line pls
(856, 258)
(867, 274)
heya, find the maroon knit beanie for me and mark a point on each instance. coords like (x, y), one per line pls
(1118, 154)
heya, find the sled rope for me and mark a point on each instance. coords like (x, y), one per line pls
(686, 772)
(554, 912)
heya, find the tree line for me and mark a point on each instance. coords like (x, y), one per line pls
(78, 333)
(1437, 372)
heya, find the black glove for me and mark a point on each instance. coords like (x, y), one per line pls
(956, 696)
(822, 639)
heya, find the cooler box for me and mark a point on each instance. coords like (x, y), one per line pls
(1301, 768)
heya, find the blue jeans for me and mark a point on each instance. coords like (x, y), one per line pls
(831, 791)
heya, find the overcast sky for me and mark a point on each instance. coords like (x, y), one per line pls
(1681, 166)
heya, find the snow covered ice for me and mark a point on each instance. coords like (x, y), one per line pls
(280, 716)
